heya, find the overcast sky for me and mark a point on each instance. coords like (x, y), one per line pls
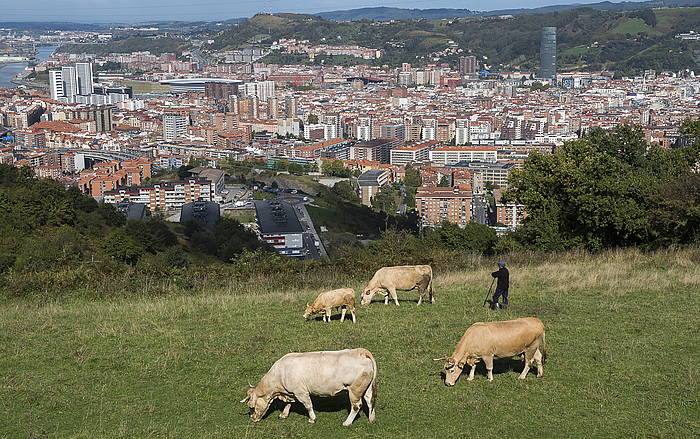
(110, 11)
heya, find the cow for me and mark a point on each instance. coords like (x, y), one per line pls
(486, 340)
(403, 278)
(341, 298)
(297, 376)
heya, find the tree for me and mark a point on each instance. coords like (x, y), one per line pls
(295, 168)
(335, 168)
(184, 171)
(473, 237)
(597, 191)
(153, 234)
(444, 181)
(122, 247)
(412, 177)
(387, 200)
(312, 119)
(346, 191)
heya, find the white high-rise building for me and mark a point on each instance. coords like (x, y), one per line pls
(462, 131)
(84, 78)
(429, 129)
(70, 81)
(174, 125)
(56, 84)
(262, 90)
(364, 128)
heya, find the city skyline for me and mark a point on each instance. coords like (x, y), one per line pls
(132, 11)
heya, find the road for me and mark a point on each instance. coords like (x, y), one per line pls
(480, 210)
(310, 234)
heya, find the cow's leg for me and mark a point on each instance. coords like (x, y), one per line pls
(386, 297)
(342, 314)
(368, 396)
(352, 311)
(528, 360)
(392, 291)
(355, 406)
(328, 315)
(471, 373)
(489, 367)
(538, 361)
(306, 400)
(285, 412)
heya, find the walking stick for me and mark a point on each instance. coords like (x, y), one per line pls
(489, 293)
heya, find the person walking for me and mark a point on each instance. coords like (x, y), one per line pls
(501, 287)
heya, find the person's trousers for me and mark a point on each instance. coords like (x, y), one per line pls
(499, 292)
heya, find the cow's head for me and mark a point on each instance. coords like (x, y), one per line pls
(309, 310)
(453, 369)
(257, 403)
(367, 295)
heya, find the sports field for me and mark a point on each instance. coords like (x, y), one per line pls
(623, 347)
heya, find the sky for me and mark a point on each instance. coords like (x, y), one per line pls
(129, 11)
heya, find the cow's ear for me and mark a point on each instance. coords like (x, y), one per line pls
(460, 364)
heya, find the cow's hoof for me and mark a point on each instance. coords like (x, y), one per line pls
(312, 421)
(521, 377)
(347, 424)
(284, 416)
(470, 379)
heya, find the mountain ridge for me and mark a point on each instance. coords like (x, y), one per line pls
(383, 13)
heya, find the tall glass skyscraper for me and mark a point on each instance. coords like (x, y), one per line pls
(548, 53)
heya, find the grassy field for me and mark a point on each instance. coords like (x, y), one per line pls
(634, 26)
(622, 333)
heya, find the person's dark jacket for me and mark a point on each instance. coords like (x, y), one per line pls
(502, 276)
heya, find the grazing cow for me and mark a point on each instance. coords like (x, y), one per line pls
(486, 340)
(296, 376)
(403, 278)
(341, 298)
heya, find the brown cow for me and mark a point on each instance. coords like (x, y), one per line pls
(402, 278)
(341, 298)
(297, 376)
(486, 340)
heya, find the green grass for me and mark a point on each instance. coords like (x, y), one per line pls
(622, 333)
(576, 51)
(633, 26)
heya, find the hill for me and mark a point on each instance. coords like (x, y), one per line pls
(622, 347)
(587, 39)
(384, 13)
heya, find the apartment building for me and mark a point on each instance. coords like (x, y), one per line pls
(510, 215)
(377, 150)
(449, 155)
(163, 196)
(417, 153)
(444, 204)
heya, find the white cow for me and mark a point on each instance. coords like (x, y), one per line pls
(297, 376)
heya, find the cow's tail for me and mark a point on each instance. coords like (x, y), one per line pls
(543, 348)
(373, 384)
(431, 293)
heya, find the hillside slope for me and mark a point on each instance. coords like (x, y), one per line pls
(621, 341)
(587, 39)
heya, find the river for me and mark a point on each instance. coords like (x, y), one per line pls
(9, 71)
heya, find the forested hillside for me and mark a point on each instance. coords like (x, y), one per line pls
(587, 39)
